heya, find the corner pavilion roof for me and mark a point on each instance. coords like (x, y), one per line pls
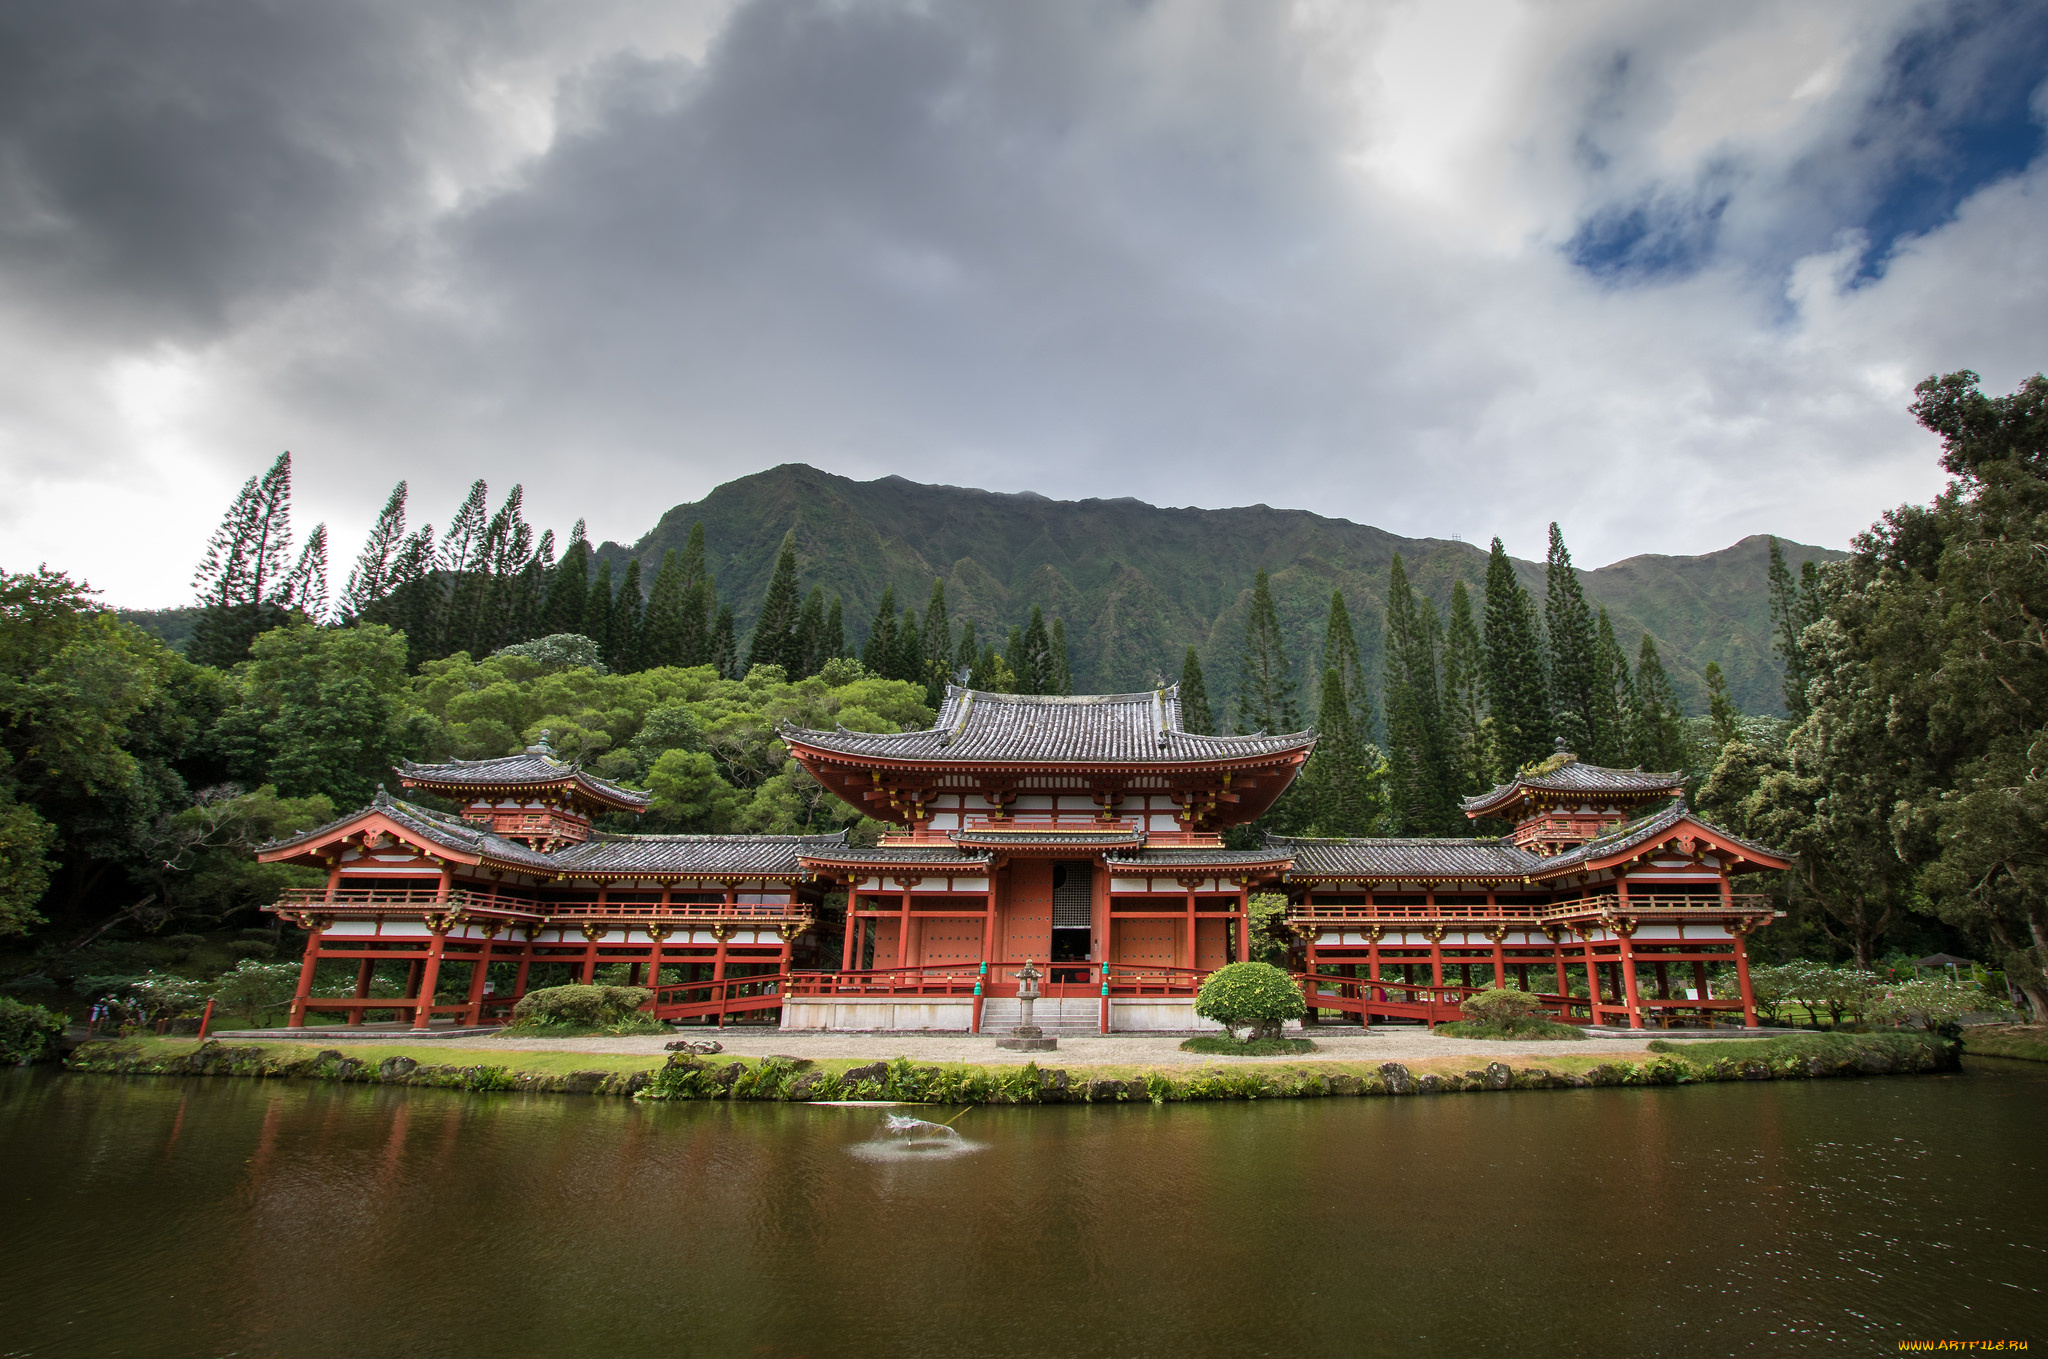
(978, 728)
(1567, 775)
(535, 767)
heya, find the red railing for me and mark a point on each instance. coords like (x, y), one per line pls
(717, 999)
(379, 900)
(1645, 903)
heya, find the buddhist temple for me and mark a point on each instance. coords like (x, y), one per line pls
(1082, 834)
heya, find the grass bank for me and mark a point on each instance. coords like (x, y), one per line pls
(686, 1077)
(2028, 1043)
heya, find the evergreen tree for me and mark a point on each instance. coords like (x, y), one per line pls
(833, 641)
(1194, 697)
(522, 613)
(992, 674)
(1658, 730)
(1575, 671)
(1062, 670)
(1034, 664)
(568, 590)
(1336, 789)
(810, 635)
(627, 621)
(371, 580)
(1265, 680)
(1340, 653)
(907, 661)
(244, 565)
(1615, 696)
(968, 654)
(775, 639)
(1517, 697)
(598, 613)
(1013, 657)
(700, 604)
(936, 660)
(304, 588)
(1793, 609)
(1418, 756)
(878, 657)
(661, 638)
(1465, 725)
(413, 605)
(1721, 712)
(725, 647)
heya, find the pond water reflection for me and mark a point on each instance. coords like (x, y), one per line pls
(161, 1217)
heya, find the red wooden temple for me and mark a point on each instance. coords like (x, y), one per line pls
(1081, 833)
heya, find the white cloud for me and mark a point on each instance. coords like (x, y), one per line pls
(1196, 253)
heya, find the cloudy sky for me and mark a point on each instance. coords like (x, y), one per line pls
(1664, 272)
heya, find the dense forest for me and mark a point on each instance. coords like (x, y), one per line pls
(136, 778)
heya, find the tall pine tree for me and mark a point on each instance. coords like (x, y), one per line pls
(833, 642)
(1616, 696)
(1793, 609)
(661, 637)
(878, 657)
(237, 583)
(370, 580)
(1340, 653)
(1418, 755)
(568, 590)
(1265, 679)
(725, 647)
(1576, 675)
(810, 635)
(1465, 725)
(1337, 790)
(936, 646)
(1033, 663)
(598, 613)
(1062, 669)
(1194, 698)
(775, 639)
(627, 620)
(1657, 729)
(1517, 692)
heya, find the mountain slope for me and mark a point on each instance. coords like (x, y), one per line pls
(1137, 584)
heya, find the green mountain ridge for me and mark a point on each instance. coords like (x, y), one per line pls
(1137, 584)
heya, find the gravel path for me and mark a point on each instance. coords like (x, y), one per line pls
(1388, 1044)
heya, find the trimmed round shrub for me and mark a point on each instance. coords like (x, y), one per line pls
(1257, 996)
(28, 1033)
(1498, 1007)
(594, 1006)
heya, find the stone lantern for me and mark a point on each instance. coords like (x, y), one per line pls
(1027, 1036)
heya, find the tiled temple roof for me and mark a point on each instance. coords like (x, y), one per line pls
(981, 728)
(1408, 858)
(1646, 830)
(931, 858)
(535, 767)
(1046, 838)
(449, 832)
(694, 856)
(1574, 775)
(1180, 857)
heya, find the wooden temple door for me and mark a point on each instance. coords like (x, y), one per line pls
(1026, 921)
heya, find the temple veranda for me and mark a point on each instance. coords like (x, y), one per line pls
(1083, 834)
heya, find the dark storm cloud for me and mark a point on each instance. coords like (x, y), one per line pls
(1199, 252)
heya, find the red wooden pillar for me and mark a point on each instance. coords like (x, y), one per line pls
(480, 972)
(1742, 978)
(305, 988)
(721, 932)
(365, 971)
(903, 929)
(655, 933)
(1564, 986)
(1630, 998)
(430, 976)
(849, 949)
(590, 956)
(1189, 903)
(525, 967)
(1500, 963)
(1592, 979)
(988, 936)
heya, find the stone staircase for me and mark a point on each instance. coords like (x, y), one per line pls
(1060, 1018)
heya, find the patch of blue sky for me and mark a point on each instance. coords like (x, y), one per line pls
(1959, 107)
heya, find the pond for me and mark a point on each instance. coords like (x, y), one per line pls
(152, 1216)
